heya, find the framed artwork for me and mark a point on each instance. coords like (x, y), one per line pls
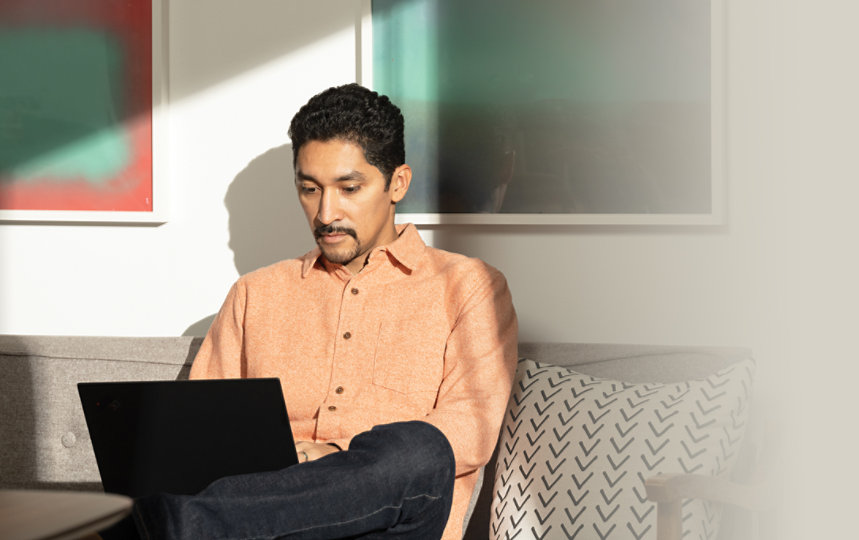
(80, 101)
(557, 111)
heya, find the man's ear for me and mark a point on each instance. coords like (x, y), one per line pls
(400, 181)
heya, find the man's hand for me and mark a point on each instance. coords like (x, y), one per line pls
(309, 451)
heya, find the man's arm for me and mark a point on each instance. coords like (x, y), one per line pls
(480, 361)
(221, 356)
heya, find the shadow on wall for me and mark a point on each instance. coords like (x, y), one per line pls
(266, 222)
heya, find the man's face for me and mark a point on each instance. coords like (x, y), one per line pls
(344, 198)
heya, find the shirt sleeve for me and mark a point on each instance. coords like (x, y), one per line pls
(480, 361)
(221, 356)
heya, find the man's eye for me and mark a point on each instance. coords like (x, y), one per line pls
(309, 190)
(351, 189)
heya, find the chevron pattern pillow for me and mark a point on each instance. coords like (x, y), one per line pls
(575, 451)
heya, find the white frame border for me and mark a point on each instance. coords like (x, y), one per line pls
(158, 215)
(718, 177)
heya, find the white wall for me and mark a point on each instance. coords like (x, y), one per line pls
(779, 276)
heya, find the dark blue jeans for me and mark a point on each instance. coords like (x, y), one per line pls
(395, 481)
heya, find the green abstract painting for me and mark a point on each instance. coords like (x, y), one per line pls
(550, 106)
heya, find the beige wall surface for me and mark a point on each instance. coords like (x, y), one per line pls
(779, 276)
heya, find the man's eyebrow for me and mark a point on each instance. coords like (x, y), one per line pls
(351, 176)
(301, 176)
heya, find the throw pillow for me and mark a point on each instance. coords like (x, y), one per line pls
(575, 451)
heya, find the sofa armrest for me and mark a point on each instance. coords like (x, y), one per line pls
(669, 490)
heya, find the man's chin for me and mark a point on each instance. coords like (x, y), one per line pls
(338, 256)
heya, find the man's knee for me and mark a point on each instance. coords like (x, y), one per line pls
(416, 447)
(415, 437)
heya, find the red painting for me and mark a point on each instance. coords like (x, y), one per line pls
(76, 105)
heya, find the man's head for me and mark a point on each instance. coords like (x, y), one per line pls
(355, 114)
(349, 171)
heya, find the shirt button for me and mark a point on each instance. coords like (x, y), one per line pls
(332, 408)
(347, 335)
(354, 291)
(339, 389)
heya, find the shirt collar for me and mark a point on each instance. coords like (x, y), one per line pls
(406, 249)
(308, 260)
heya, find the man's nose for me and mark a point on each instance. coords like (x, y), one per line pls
(329, 208)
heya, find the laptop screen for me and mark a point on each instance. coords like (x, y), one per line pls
(179, 436)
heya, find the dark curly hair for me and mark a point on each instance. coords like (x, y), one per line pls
(358, 115)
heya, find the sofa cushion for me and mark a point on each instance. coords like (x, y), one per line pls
(575, 450)
(44, 442)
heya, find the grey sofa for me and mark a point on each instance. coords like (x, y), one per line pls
(44, 443)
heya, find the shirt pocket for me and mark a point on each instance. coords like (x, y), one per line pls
(409, 357)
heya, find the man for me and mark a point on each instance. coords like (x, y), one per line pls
(396, 359)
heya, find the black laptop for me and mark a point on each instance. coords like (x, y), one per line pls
(179, 436)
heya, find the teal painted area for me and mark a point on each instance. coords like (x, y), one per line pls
(405, 52)
(405, 67)
(61, 110)
(95, 157)
(510, 50)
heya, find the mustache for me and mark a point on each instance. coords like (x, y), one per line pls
(334, 229)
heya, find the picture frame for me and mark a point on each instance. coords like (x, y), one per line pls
(712, 188)
(125, 152)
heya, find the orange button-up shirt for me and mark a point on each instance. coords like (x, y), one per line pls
(418, 334)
